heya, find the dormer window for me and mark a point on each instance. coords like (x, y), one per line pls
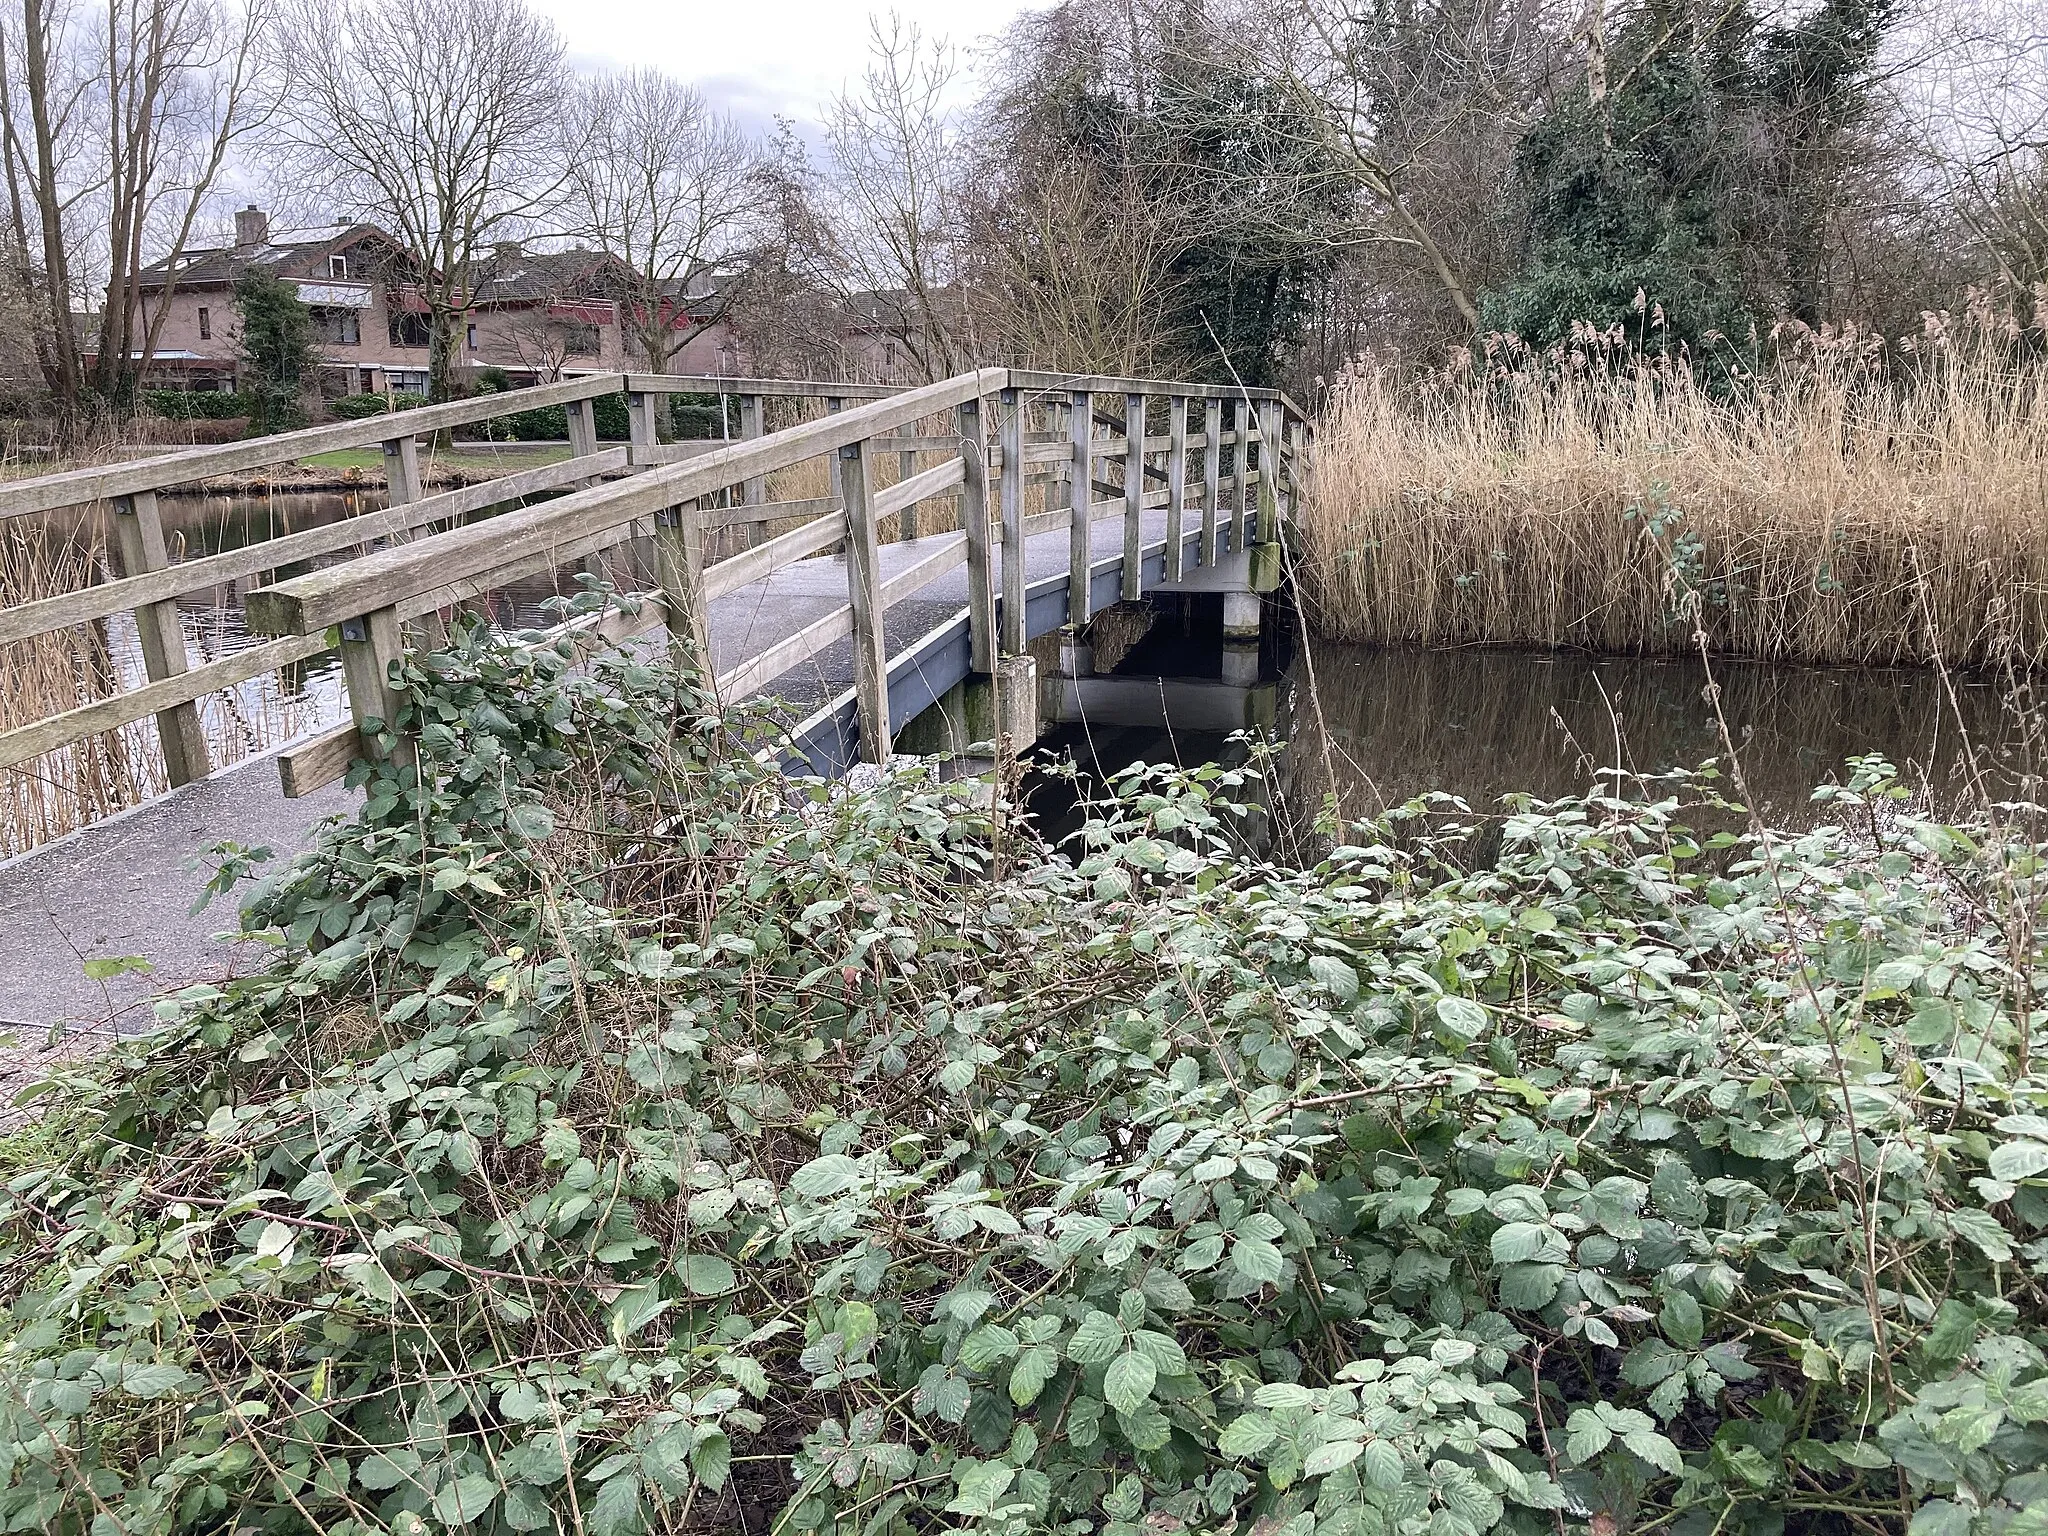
(337, 266)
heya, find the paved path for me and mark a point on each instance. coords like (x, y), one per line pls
(125, 886)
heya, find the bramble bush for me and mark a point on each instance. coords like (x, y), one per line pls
(629, 1138)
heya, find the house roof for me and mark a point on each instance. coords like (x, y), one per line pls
(220, 266)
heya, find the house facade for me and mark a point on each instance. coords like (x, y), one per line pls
(537, 316)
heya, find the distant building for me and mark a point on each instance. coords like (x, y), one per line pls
(537, 316)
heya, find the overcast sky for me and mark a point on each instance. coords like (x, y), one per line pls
(757, 58)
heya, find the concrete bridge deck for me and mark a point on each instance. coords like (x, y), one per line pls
(125, 886)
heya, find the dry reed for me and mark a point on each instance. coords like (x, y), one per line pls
(1856, 501)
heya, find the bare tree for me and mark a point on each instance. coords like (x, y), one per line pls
(894, 144)
(439, 119)
(671, 190)
(115, 134)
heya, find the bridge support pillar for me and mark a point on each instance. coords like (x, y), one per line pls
(1240, 665)
(1240, 616)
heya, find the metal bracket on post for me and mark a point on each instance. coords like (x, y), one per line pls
(138, 525)
(369, 646)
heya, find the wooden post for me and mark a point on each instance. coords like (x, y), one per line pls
(754, 490)
(1176, 485)
(139, 525)
(1012, 428)
(641, 425)
(906, 521)
(679, 555)
(981, 596)
(1240, 485)
(864, 588)
(833, 406)
(582, 428)
(1080, 500)
(1134, 498)
(1269, 471)
(402, 471)
(369, 646)
(1294, 449)
(1212, 478)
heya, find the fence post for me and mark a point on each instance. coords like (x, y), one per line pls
(679, 556)
(582, 428)
(754, 489)
(1011, 404)
(1081, 502)
(138, 522)
(1269, 471)
(1240, 482)
(402, 471)
(1294, 452)
(981, 597)
(1176, 484)
(864, 592)
(906, 522)
(1212, 478)
(641, 428)
(1134, 498)
(369, 645)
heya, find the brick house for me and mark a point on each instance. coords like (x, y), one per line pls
(537, 316)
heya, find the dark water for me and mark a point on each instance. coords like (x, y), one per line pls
(1376, 727)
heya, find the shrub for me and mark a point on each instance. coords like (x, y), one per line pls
(358, 407)
(199, 404)
(633, 1133)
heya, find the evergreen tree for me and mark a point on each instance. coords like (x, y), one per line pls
(278, 345)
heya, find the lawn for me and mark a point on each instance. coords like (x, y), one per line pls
(467, 456)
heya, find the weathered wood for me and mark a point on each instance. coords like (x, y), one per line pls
(1241, 473)
(317, 761)
(402, 482)
(1212, 478)
(778, 389)
(981, 596)
(679, 556)
(1081, 437)
(756, 672)
(863, 580)
(905, 493)
(582, 428)
(651, 455)
(78, 487)
(1269, 471)
(324, 597)
(1134, 497)
(1103, 384)
(110, 597)
(768, 512)
(370, 645)
(31, 741)
(1011, 428)
(1176, 486)
(753, 424)
(139, 527)
(642, 430)
(762, 560)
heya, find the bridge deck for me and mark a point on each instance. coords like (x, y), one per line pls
(123, 887)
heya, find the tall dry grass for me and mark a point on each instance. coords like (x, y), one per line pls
(1857, 501)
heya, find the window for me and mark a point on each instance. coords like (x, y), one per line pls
(472, 338)
(579, 340)
(338, 327)
(409, 330)
(205, 323)
(337, 266)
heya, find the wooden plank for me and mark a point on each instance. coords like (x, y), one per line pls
(1134, 497)
(906, 493)
(774, 389)
(756, 672)
(1102, 384)
(906, 468)
(325, 597)
(1269, 477)
(763, 560)
(648, 455)
(1212, 475)
(139, 527)
(1011, 458)
(402, 483)
(766, 512)
(317, 761)
(370, 645)
(1176, 486)
(1241, 478)
(753, 424)
(582, 428)
(88, 603)
(25, 743)
(981, 595)
(78, 487)
(1081, 440)
(902, 444)
(863, 583)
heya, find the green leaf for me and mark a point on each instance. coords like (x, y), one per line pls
(1334, 974)
(1586, 1435)
(706, 1274)
(823, 1177)
(1034, 1368)
(1247, 1435)
(1461, 1017)
(1520, 1241)
(1383, 1468)
(388, 1469)
(1530, 1287)
(465, 1499)
(711, 1458)
(1098, 1338)
(616, 1509)
(1655, 1449)
(1681, 1320)
(1329, 1456)
(1256, 1259)
(143, 1379)
(988, 1345)
(535, 823)
(1129, 1381)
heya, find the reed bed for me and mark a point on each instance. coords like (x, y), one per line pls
(1856, 501)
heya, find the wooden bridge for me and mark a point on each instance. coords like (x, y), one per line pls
(1069, 494)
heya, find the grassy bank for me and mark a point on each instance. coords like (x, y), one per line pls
(1854, 503)
(629, 1139)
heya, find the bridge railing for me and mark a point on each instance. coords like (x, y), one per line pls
(1013, 433)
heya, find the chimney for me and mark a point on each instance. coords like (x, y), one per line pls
(507, 250)
(252, 228)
